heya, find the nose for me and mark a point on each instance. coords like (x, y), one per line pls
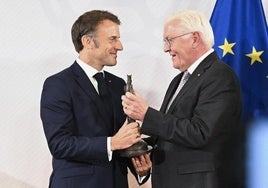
(166, 47)
(119, 45)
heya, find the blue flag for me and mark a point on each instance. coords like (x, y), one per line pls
(241, 40)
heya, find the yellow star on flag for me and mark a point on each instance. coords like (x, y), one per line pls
(255, 56)
(227, 47)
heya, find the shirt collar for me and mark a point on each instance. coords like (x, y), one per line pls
(90, 71)
(198, 61)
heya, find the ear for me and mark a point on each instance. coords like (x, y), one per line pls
(196, 39)
(87, 42)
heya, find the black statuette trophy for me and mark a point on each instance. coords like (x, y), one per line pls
(129, 88)
(140, 147)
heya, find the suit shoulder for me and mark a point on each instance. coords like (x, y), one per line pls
(224, 67)
(214, 63)
(63, 74)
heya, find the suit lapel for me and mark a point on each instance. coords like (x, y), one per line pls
(195, 76)
(171, 90)
(89, 89)
(116, 109)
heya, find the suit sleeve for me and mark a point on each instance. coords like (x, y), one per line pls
(60, 126)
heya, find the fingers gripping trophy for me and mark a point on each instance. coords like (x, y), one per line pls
(140, 147)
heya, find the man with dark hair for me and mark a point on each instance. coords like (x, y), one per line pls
(81, 110)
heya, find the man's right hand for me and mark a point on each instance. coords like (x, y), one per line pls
(142, 164)
(126, 136)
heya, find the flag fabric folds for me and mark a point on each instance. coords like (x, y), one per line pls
(241, 40)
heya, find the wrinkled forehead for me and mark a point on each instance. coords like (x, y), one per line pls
(172, 27)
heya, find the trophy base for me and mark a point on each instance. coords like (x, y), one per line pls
(136, 149)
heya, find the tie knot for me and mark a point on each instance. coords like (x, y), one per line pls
(185, 76)
(98, 76)
(102, 88)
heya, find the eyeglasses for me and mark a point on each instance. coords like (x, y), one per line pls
(168, 41)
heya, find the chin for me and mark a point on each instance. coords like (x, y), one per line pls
(175, 65)
(111, 64)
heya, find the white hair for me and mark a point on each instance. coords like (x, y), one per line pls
(191, 21)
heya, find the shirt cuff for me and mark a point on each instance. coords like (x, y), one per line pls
(141, 178)
(109, 151)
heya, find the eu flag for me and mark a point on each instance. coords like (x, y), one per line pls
(241, 40)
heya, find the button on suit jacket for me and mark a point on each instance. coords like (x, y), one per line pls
(194, 139)
(76, 127)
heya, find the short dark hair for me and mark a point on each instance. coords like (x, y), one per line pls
(87, 23)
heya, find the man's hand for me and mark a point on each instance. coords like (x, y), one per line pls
(126, 136)
(142, 164)
(134, 106)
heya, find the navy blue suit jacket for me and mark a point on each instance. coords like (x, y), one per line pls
(76, 128)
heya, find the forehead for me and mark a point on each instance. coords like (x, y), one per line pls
(172, 27)
(108, 28)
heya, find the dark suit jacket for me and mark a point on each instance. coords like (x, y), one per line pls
(194, 139)
(76, 127)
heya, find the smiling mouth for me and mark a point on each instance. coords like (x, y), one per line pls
(114, 55)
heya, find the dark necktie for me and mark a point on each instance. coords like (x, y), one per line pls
(105, 97)
(102, 87)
